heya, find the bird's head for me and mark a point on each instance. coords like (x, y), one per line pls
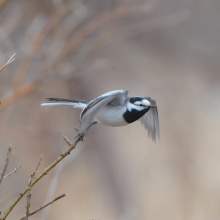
(139, 103)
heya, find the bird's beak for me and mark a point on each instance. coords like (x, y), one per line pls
(152, 106)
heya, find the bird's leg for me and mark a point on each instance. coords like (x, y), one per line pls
(93, 123)
(81, 136)
(77, 128)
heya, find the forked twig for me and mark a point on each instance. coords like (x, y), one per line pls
(44, 206)
(6, 164)
(9, 61)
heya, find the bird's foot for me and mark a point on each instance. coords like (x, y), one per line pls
(80, 137)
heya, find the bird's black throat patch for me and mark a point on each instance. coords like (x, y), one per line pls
(134, 115)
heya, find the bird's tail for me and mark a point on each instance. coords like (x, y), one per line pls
(59, 101)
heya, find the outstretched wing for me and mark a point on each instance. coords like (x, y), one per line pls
(90, 111)
(151, 121)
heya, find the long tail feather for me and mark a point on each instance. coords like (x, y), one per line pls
(75, 105)
(61, 102)
(66, 100)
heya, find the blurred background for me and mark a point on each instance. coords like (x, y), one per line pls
(168, 50)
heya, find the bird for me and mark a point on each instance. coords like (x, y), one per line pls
(114, 108)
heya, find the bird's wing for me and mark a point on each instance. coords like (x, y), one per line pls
(89, 112)
(120, 99)
(151, 121)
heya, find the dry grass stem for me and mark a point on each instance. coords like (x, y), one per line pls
(6, 164)
(14, 171)
(43, 206)
(50, 167)
(9, 61)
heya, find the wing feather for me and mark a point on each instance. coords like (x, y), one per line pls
(151, 121)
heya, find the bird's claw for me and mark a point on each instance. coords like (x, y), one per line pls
(80, 137)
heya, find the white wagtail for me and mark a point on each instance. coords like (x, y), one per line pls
(114, 109)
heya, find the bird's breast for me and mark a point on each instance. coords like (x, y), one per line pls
(111, 116)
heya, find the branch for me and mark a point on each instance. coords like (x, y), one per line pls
(6, 164)
(9, 61)
(29, 189)
(44, 206)
(14, 171)
(51, 166)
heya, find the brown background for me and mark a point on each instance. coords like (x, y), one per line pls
(168, 50)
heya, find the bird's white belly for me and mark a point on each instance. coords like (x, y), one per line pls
(112, 116)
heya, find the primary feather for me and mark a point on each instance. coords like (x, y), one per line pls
(151, 121)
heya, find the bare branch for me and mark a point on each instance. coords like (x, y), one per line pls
(29, 189)
(44, 206)
(6, 164)
(9, 61)
(51, 166)
(14, 171)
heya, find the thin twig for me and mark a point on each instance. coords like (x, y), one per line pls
(44, 206)
(14, 171)
(29, 189)
(9, 61)
(51, 166)
(6, 164)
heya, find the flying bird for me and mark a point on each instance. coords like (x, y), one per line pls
(114, 109)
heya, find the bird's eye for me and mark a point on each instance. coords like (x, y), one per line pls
(140, 104)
